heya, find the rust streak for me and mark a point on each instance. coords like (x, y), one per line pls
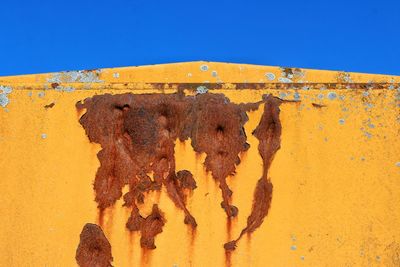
(49, 105)
(318, 105)
(268, 133)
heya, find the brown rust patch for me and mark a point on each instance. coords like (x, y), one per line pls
(149, 227)
(137, 134)
(54, 85)
(94, 250)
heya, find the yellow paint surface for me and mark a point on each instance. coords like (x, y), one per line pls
(336, 178)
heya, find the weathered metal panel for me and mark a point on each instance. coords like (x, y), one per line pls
(317, 184)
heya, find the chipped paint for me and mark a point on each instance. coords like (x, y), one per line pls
(5, 91)
(270, 76)
(201, 89)
(61, 88)
(285, 80)
(344, 77)
(82, 76)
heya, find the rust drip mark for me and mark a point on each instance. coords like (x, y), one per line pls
(94, 248)
(318, 105)
(228, 258)
(268, 132)
(137, 134)
(49, 105)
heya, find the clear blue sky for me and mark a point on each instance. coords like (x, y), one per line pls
(45, 36)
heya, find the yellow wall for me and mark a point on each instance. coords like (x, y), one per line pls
(336, 177)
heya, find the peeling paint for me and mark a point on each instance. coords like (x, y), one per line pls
(201, 89)
(60, 88)
(285, 80)
(5, 91)
(82, 76)
(344, 77)
(293, 74)
(270, 76)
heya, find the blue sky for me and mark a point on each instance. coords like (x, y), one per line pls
(45, 36)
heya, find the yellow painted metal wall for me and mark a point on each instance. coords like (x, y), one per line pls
(336, 177)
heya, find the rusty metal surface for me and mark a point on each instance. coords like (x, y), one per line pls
(146, 150)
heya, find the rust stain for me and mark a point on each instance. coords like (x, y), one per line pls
(49, 105)
(268, 132)
(149, 227)
(94, 248)
(54, 85)
(137, 134)
(318, 105)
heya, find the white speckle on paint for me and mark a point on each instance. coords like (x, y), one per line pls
(341, 121)
(214, 73)
(201, 89)
(204, 67)
(293, 247)
(270, 76)
(43, 135)
(41, 94)
(189, 74)
(282, 95)
(285, 80)
(116, 75)
(398, 164)
(332, 95)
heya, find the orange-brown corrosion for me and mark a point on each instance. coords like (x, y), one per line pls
(94, 250)
(268, 132)
(137, 134)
